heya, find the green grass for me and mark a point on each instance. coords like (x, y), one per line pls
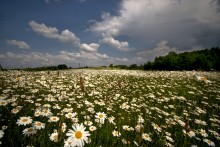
(162, 98)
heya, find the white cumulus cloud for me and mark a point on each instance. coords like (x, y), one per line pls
(65, 36)
(92, 47)
(19, 44)
(174, 20)
(42, 29)
(52, 32)
(123, 46)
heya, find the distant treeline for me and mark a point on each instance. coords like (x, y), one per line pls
(131, 67)
(207, 60)
(59, 67)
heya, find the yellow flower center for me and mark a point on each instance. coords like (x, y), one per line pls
(30, 130)
(54, 118)
(3, 103)
(46, 111)
(15, 110)
(24, 120)
(146, 136)
(203, 78)
(55, 137)
(78, 134)
(38, 124)
(100, 115)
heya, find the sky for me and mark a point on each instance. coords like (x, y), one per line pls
(103, 32)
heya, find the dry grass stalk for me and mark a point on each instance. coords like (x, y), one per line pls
(186, 127)
(119, 84)
(82, 87)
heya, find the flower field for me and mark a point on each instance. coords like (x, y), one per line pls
(109, 108)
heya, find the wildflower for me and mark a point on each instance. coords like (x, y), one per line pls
(116, 133)
(68, 143)
(167, 133)
(70, 115)
(37, 113)
(101, 116)
(140, 120)
(29, 131)
(136, 143)
(169, 138)
(168, 144)
(87, 117)
(181, 123)
(92, 128)
(78, 135)
(75, 120)
(3, 103)
(146, 137)
(91, 110)
(54, 137)
(209, 142)
(156, 127)
(63, 127)
(47, 105)
(200, 122)
(38, 125)
(24, 120)
(15, 111)
(189, 133)
(139, 127)
(46, 112)
(215, 120)
(124, 141)
(4, 127)
(1, 133)
(200, 78)
(88, 123)
(131, 129)
(214, 133)
(203, 133)
(53, 119)
(125, 127)
(111, 119)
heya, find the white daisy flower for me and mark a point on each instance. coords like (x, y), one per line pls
(116, 133)
(24, 120)
(53, 119)
(78, 135)
(54, 137)
(38, 125)
(92, 128)
(29, 131)
(209, 142)
(146, 137)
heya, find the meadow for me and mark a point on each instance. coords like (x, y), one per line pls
(109, 108)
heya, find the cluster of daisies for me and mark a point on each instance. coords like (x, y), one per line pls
(116, 107)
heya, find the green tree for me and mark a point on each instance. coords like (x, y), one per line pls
(111, 66)
(133, 66)
(62, 66)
